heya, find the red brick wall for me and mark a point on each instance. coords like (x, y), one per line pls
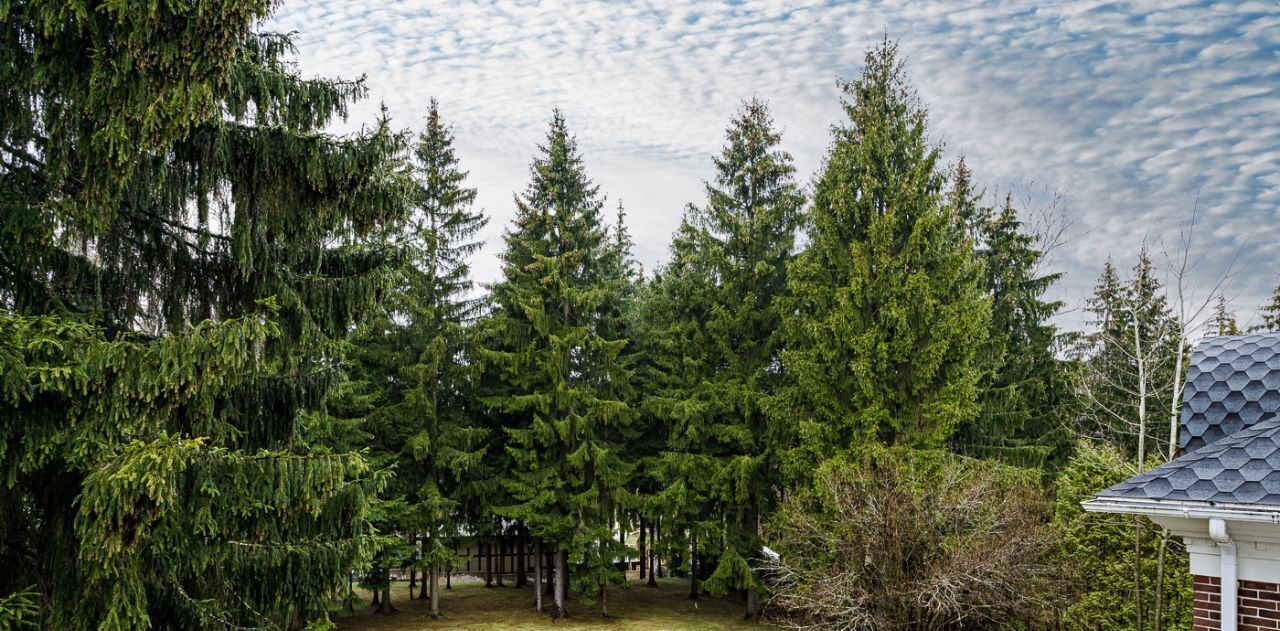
(1208, 603)
(1259, 605)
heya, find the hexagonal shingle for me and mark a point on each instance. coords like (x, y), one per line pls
(1243, 468)
(1230, 429)
(1233, 382)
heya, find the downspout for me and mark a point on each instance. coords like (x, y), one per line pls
(1218, 532)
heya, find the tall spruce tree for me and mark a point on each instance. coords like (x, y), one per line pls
(723, 449)
(680, 357)
(888, 310)
(565, 388)
(1024, 387)
(449, 443)
(181, 247)
(413, 358)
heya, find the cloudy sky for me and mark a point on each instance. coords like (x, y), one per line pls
(1127, 112)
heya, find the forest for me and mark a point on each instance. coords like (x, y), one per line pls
(247, 378)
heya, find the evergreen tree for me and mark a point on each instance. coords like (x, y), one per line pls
(1025, 385)
(681, 357)
(182, 251)
(1270, 314)
(440, 381)
(1223, 322)
(888, 309)
(565, 386)
(1128, 359)
(736, 249)
(1110, 577)
(413, 360)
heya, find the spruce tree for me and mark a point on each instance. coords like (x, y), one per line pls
(1223, 322)
(182, 251)
(414, 359)
(564, 386)
(888, 308)
(1128, 357)
(440, 383)
(680, 357)
(1270, 314)
(1025, 384)
(734, 251)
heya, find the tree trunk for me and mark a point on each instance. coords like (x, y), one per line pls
(562, 565)
(413, 580)
(1157, 613)
(384, 605)
(549, 563)
(351, 592)
(435, 590)
(448, 578)
(537, 575)
(753, 594)
(502, 560)
(486, 552)
(521, 559)
(1137, 571)
(654, 567)
(604, 599)
(693, 566)
(640, 541)
(377, 598)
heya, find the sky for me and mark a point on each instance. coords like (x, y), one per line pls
(1118, 121)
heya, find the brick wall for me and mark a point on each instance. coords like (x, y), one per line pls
(1259, 605)
(1208, 602)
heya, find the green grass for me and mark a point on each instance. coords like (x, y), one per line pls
(474, 607)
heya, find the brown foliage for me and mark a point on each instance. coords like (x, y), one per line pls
(913, 540)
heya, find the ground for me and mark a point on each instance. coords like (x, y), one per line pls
(476, 608)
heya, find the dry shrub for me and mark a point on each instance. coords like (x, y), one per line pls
(913, 540)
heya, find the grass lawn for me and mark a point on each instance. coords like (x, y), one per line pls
(472, 606)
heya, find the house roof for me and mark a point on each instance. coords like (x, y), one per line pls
(1243, 468)
(1232, 383)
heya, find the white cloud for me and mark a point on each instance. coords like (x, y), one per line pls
(1130, 108)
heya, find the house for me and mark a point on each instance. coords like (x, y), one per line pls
(1222, 494)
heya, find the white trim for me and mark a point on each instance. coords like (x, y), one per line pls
(1228, 600)
(1188, 510)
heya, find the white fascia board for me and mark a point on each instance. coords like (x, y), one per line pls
(1188, 510)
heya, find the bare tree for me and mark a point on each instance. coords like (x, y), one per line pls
(913, 540)
(1193, 308)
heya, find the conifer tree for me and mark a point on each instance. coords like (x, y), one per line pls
(440, 383)
(181, 252)
(413, 357)
(1127, 358)
(1025, 384)
(888, 309)
(1270, 314)
(733, 253)
(1223, 322)
(565, 388)
(681, 357)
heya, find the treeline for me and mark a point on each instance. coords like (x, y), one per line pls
(242, 358)
(577, 400)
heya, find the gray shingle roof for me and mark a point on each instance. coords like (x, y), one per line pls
(1243, 468)
(1232, 383)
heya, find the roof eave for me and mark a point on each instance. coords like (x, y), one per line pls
(1188, 510)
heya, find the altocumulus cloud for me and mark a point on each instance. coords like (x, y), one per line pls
(1130, 108)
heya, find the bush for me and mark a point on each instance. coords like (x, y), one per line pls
(1099, 559)
(913, 540)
